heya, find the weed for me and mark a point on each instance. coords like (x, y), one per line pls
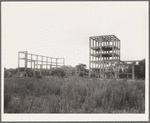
(52, 94)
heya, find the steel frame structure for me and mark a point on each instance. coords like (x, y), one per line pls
(45, 62)
(104, 57)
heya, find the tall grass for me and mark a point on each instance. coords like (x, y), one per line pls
(72, 95)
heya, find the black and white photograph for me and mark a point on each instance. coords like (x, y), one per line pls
(75, 61)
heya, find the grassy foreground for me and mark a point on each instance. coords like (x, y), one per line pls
(72, 95)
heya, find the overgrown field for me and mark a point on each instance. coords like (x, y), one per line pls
(72, 95)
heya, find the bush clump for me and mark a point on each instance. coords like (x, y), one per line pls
(59, 73)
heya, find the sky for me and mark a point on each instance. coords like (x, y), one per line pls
(62, 29)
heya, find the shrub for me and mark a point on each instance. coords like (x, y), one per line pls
(81, 74)
(29, 72)
(92, 75)
(59, 73)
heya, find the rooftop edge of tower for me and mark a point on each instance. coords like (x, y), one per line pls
(106, 37)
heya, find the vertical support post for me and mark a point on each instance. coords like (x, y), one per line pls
(113, 52)
(42, 63)
(46, 62)
(118, 70)
(119, 50)
(103, 68)
(63, 61)
(40, 70)
(37, 62)
(18, 61)
(115, 72)
(50, 69)
(56, 62)
(92, 56)
(26, 60)
(101, 57)
(31, 61)
(89, 57)
(133, 66)
(51, 64)
(113, 49)
(34, 69)
(110, 69)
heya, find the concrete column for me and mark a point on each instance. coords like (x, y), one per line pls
(63, 61)
(110, 69)
(42, 62)
(37, 62)
(89, 57)
(31, 60)
(56, 62)
(46, 62)
(40, 70)
(34, 69)
(18, 61)
(103, 69)
(118, 69)
(101, 57)
(115, 72)
(133, 66)
(26, 60)
(51, 61)
(113, 49)
(50, 69)
(119, 50)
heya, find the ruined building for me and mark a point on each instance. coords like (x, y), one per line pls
(104, 58)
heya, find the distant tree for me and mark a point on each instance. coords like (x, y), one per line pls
(139, 69)
(81, 66)
(83, 70)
